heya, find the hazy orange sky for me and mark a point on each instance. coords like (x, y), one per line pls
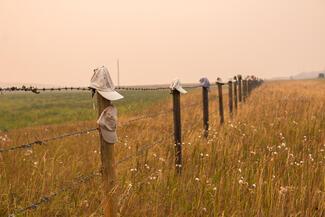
(61, 41)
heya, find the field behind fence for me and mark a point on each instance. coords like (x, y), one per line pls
(231, 161)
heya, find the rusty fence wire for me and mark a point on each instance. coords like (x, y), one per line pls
(37, 90)
(85, 131)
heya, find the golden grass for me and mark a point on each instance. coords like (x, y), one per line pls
(269, 160)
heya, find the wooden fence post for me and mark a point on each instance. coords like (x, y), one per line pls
(235, 94)
(255, 83)
(244, 90)
(177, 130)
(249, 87)
(108, 167)
(240, 88)
(230, 98)
(220, 103)
(205, 96)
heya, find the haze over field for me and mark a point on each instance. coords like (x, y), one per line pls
(60, 42)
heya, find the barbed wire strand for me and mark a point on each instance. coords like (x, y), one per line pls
(77, 133)
(43, 142)
(37, 90)
(86, 131)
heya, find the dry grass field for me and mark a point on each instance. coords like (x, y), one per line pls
(268, 160)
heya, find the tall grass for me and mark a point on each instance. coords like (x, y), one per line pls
(269, 160)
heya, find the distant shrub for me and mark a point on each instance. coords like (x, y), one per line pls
(321, 75)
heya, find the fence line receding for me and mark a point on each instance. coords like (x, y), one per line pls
(238, 91)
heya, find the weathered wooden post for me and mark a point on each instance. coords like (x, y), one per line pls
(205, 93)
(205, 99)
(255, 83)
(240, 88)
(177, 130)
(230, 99)
(102, 85)
(177, 89)
(249, 87)
(108, 167)
(220, 96)
(247, 93)
(235, 93)
(244, 90)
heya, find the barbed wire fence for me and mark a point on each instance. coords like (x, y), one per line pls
(243, 89)
(45, 141)
(51, 89)
(81, 132)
